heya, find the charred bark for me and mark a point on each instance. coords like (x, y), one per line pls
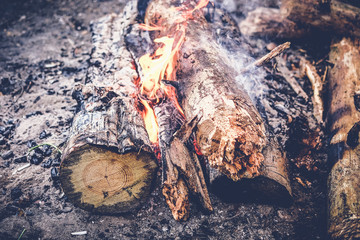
(343, 118)
(108, 165)
(182, 170)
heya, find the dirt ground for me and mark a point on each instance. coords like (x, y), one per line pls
(45, 47)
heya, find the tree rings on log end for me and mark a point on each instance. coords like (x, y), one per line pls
(103, 181)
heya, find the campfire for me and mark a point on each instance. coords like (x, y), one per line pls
(185, 100)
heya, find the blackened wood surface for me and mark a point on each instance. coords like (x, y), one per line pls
(343, 118)
(108, 165)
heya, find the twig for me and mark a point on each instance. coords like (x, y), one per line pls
(22, 233)
(42, 144)
(258, 63)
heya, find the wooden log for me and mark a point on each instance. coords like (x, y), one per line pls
(183, 172)
(333, 16)
(296, 19)
(270, 23)
(230, 133)
(108, 165)
(343, 118)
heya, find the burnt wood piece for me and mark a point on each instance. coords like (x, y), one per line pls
(230, 133)
(343, 118)
(182, 170)
(108, 164)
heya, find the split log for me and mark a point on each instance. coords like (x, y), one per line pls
(108, 165)
(183, 172)
(231, 133)
(343, 118)
(296, 19)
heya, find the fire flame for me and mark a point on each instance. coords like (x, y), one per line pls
(161, 65)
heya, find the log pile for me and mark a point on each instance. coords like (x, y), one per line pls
(109, 161)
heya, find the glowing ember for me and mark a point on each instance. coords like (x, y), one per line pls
(161, 65)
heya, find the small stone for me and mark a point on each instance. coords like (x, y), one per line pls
(15, 193)
(2, 141)
(55, 174)
(66, 209)
(22, 159)
(48, 163)
(7, 155)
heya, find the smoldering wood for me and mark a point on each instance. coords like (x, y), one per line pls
(207, 83)
(343, 117)
(108, 165)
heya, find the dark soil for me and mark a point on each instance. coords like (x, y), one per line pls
(45, 47)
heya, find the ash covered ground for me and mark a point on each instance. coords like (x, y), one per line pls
(45, 50)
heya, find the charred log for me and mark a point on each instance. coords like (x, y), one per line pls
(343, 118)
(108, 165)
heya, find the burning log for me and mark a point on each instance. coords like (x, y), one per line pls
(297, 18)
(230, 133)
(343, 118)
(108, 165)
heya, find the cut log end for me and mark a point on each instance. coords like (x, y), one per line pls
(103, 181)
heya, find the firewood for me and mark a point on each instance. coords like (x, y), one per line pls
(108, 164)
(333, 16)
(270, 23)
(230, 133)
(296, 19)
(343, 118)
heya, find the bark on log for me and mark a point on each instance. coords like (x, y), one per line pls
(108, 165)
(343, 118)
(183, 172)
(337, 16)
(298, 18)
(230, 133)
(270, 23)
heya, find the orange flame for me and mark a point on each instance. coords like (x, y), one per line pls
(162, 65)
